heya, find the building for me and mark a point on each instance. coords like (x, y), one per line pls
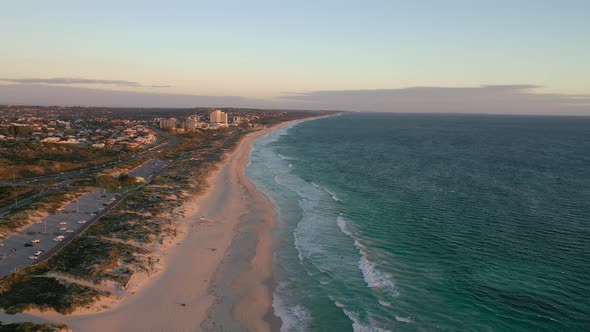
(235, 119)
(218, 117)
(190, 125)
(169, 123)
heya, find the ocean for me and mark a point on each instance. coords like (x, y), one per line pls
(399, 222)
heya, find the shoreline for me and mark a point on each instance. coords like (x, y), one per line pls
(183, 293)
(243, 283)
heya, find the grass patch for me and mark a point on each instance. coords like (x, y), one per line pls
(33, 327)
(31, 292)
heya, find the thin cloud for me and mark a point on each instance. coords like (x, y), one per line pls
(70, 80)
(493, 99)
(42, 94)
(503, 99)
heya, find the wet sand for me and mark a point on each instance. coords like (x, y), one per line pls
(218, 276)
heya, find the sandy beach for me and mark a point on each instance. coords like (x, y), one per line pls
(216, 275)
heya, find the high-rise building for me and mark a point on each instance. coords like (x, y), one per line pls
(169, 123)
(194, 118)
(190, 125)
(218, 117)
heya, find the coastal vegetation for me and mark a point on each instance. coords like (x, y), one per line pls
(106, 256)
(46, 204)
(97, 259)
(111, 183)
(122, 242)
(32, 289)
(33, 327)
(21, 159)
(9, 195)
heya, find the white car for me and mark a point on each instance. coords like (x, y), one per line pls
(58, 239)
(63, 229)
(63, 223)
(38, 252)
(32, 257)
(70, 231)
(81, 222)
(35, 241)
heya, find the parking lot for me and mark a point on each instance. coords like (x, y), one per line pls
(18, 250)
(149, 169)
(52, 232)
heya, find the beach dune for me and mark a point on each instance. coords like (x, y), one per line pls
(179, 298)
(201, 286)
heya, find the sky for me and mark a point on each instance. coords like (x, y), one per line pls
(399, 56)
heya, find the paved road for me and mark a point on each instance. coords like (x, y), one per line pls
(88, 208)
(15, 255)
(26, 201)
(171, 141)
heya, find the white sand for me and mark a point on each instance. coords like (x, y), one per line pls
(177, 298)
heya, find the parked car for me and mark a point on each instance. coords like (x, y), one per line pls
(32, 257)
(35, 241)
(58, 239)
(70, 231)
(81, 222)
(38, 252)
(28, 244)
(63, 229)
(63, 223)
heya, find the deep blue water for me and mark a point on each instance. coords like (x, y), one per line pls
(430, 222)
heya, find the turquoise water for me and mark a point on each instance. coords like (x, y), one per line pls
(430, 222)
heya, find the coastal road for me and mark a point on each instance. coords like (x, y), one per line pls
(83, 172)
(70, 222)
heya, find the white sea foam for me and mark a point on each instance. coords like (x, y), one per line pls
(403, 319)
(385, 304)
(358, 326)
(343, 225)
(338, 304)
(374, 277)
(331, 193)
(278, 179)
(293, 318)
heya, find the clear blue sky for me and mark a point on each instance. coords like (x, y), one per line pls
(264, 49)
